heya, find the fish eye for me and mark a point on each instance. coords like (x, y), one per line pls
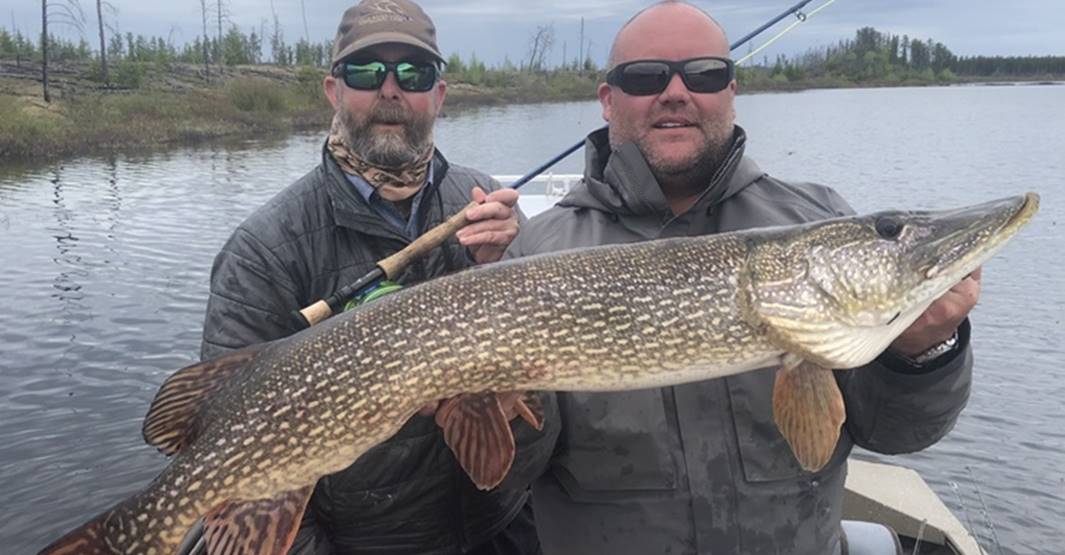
(888, 227)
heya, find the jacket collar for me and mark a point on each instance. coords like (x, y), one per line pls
(351, 210)
(619, 181)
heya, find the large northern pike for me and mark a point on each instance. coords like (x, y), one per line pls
(254, 430)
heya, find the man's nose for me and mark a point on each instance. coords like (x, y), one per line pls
(675, 91)
(390, 88)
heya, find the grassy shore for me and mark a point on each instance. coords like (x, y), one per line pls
(169, 105)
(152, 105)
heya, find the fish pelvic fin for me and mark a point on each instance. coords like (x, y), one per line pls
(525, 404)
(173, 420)
(809, 411)
(477, 430)
(260, 527)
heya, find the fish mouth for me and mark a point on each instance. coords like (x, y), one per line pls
(972, 235)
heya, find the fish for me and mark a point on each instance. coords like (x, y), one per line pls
(252, 431)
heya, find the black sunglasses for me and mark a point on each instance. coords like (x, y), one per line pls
(369, 76)
(645, 77)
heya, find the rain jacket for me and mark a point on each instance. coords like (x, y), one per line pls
(701, 468)
(407, 495)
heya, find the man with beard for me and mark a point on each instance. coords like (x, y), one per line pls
(379, 185)
(701, 468)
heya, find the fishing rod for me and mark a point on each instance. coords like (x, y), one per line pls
(391, 266)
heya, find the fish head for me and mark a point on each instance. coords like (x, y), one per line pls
(839, 291)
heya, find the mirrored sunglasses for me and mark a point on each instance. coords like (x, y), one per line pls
(369, 76)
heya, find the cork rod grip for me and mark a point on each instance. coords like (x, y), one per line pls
(431, 239)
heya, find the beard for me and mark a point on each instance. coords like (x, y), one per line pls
(389, 149)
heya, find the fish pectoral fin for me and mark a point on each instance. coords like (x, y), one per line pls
(172, 420)
(526, 404)
(478, 432)
(260, 527)
(808, 409)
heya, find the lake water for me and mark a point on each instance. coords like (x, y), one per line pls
(104, 265)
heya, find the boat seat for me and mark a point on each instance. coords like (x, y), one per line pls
(868, 538)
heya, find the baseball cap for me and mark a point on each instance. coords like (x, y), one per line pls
(373, 22)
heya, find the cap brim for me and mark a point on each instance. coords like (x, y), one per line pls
(386, 38)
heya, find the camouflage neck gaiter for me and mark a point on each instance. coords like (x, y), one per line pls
(394, 184)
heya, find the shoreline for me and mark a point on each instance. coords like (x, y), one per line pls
(172, 105)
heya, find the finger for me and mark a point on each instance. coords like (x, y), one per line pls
(947, 312)
(510, 224)
(478, 194)
(967, 292)
(490, 210)
(507, 196)
(488, 238)
(977, 274)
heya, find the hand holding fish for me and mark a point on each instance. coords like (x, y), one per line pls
(940, 320)
(493, 224)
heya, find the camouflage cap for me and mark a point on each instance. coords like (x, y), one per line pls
(374, 22)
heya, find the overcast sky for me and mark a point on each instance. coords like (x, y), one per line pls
(497, 28)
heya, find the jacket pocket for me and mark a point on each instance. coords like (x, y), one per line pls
(618, 441)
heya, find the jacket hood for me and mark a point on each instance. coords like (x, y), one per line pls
(619, 180)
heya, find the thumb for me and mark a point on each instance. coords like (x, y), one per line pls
(478, 195)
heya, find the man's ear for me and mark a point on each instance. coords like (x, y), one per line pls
(440, 90)
(332, 90)
(606, 100)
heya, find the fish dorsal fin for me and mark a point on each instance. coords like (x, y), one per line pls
(260, 527)
(478, 432)
(171, 423)
(808, 409)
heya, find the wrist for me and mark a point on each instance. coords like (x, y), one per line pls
(928, 356)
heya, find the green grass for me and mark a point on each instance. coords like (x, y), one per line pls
(23, 133)
(145, 117)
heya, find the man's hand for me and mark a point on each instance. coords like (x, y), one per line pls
(941, 318)
(493, 224)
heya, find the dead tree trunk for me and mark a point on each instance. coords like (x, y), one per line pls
(44, 49)
(103, 44)
(218, 45)
(206, 63)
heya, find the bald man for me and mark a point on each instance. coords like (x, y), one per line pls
(701, 468)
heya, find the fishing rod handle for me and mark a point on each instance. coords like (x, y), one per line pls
(316, 312)
(428, 241)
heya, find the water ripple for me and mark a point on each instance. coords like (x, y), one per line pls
(105, 265)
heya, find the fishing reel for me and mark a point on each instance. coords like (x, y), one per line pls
(383, 287)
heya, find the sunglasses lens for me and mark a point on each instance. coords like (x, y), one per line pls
(706, 75)
(415, 76)
(643, 78)
(365, 77)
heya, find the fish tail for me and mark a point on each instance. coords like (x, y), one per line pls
(88, 539)
(116, 531)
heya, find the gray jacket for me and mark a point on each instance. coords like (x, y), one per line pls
(407, 495)
(701, 468)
